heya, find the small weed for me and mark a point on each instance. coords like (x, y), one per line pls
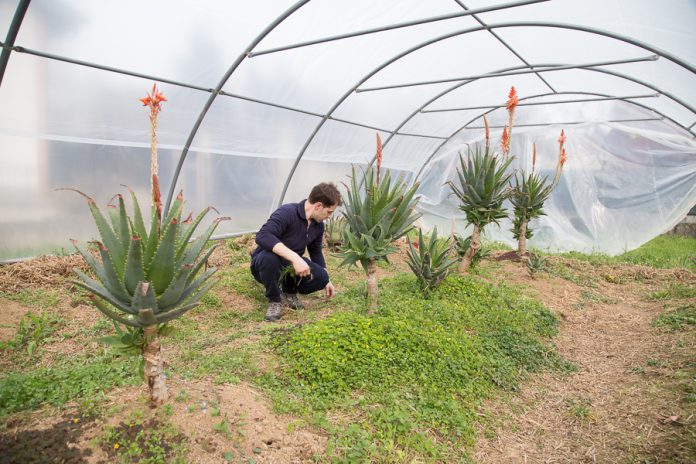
(182, 396)
(210, 300)
(580, 410)
(636, 370)
(32, 331)
(677, 319)
(653, 363)
(39, 298)
(150, 443)
(594, 297)
(222, 427)
(675, 291)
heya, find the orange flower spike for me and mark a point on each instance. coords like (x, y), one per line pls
(564, 157)
(513, 99)
(562, 138)
(505, 142)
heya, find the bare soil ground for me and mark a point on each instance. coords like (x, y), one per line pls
(626, 403)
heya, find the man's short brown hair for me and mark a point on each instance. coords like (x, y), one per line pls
(325, 193)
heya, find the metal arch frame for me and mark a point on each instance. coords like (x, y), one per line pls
(12, 32)
(590, 30)
(427, 161)
(217, 90)
(604, 71)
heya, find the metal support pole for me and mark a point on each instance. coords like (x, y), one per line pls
(502, 6)
(544, 103)
(12, 32)
(564, 123)
(512, 73)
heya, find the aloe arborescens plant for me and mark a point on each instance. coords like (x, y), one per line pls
(384, 213)
(529, 194)
(144, 279)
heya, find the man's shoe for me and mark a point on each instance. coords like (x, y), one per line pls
(291, 300)
(274, 311)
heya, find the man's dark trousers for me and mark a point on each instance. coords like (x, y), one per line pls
(267, 266)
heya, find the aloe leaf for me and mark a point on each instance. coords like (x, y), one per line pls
(111, 314)
(190, 229)
(172, 294)
(135, 271)
(112, 280)
(138, 223)
(146, 317)
(144, 297)
(162, 266)
(152, 242)
(95, 287)
(204, 259)
(108, 236)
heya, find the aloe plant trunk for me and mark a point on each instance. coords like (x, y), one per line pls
(522, 241)
(474, 247)
(153, 368)
(371, 282)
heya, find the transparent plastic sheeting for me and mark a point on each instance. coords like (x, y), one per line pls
(620, 187)
(67, 125)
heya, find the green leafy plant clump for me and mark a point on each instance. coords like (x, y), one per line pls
(72, 379)
(430, 260)
(430, 360)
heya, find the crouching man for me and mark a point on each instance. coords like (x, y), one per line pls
(282, 241)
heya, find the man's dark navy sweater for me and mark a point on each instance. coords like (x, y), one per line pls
(288, 224)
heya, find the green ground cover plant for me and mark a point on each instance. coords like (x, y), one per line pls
(70, 379)
(419, 365)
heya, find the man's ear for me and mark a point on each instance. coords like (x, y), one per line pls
(318, 205)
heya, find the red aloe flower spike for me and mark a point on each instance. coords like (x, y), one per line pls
(153, 101)
(513, 100)
(562, 138)
(488, 133)
(564, 157)
(505, 142)
(379, 155)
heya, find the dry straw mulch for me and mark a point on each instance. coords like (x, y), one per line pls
(44, 271)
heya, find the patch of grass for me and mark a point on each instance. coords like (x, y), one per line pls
(240, 281)
(413, 375)
(677, 319)
(149, 443)
(566, 272)
(225, 366)
(210, 300)
(664, 251)
(675, 291)
(38, 298)
(33, 330)
(73, 378)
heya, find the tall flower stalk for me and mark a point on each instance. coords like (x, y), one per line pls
(483, 184)
(382, 213)
(529, 194)
(154, 102)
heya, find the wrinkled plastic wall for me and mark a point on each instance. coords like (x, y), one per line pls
(65, 125)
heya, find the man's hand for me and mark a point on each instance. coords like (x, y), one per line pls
(330, 290)
(301, 267)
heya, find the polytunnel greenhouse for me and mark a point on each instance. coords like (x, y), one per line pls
(486, 207)
(266, 99)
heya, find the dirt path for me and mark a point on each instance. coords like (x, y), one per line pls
(623, 405)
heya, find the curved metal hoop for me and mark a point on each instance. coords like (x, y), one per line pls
(612, 35)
